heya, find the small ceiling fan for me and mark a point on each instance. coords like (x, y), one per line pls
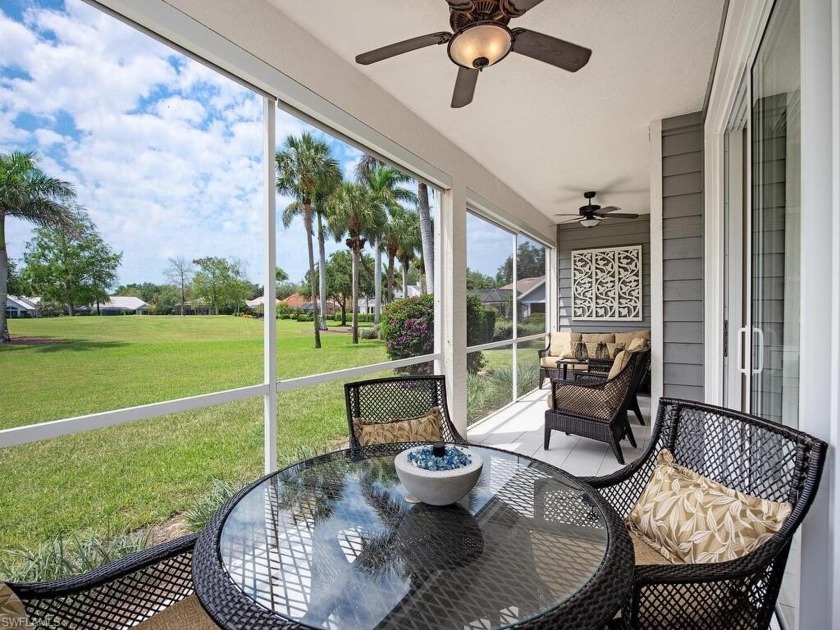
(591, 214)
(481, 37)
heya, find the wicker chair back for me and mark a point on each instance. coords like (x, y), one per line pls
(385, 399)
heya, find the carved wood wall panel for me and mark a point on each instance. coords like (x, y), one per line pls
(607, 284)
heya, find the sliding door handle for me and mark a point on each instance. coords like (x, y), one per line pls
(760, 361)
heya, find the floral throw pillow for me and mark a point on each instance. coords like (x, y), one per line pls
(692, 519)
(425, 428)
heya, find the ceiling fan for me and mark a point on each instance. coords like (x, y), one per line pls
(591, 214)
(481, 37)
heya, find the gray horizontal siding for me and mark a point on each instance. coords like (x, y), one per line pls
(683, 265)
(572, 237)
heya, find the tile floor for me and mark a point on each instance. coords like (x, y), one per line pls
(519, 428)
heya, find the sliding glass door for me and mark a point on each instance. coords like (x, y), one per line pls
(774, 233)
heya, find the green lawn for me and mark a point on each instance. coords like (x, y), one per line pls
(133, 475)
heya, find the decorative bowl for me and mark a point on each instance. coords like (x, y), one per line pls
(438, 487)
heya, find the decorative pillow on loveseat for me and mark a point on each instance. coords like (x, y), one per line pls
(690, 518)
(425, 428)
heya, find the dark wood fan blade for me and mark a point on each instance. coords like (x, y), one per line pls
(392, 50)
(524, 5)
(464, 87)
(461, 5)
(624, 215)
(556, 52)
(606, 209)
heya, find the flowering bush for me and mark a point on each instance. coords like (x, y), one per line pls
(408, 325)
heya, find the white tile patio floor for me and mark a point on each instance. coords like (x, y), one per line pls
(519, 428)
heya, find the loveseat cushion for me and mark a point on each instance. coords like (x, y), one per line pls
(562, 344)
(425, 428)
(690, 518)
(627, 337)
(598, 337)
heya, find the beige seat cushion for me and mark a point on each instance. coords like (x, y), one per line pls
(690, 518)
(582, 401)
(619, 362)
(12, 612)
(549, 362)
(645, 554)
(187, 614)
(425, 428)
(627, 337)
(596, 337)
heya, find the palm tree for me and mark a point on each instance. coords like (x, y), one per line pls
(323, 193)
(368, 163)
(27, 193)
(408, 242)
(304, 169)
(383, 183)
(353, 212)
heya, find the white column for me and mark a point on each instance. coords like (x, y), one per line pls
(657, 297)
(820, 314)
(270, 292)
(452, 285)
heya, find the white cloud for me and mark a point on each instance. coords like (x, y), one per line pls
(164, 152)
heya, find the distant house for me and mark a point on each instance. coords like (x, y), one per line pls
(499, 299)
(296, 300)
(20, 306)
(530, 295)
(123, 305)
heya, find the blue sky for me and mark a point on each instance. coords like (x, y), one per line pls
(163, 152)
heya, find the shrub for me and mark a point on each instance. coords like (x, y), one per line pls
(503, 329)
(407, 326)
(208, 504)
(369, 333)
(66, 555)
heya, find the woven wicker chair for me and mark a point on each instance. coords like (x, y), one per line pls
(642, 368)
(594, 410)
(385, 399)
(149, 590)
(740, 451)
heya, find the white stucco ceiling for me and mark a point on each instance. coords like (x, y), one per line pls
(546, 133)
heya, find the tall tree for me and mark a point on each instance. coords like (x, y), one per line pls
(27, 193)
(304, 165)
(180, 273)
(355, 214)
(408, 242)
(530, 263)
(383, 183)
(74, 268)
(340, 279)
(427, 244)
(220, 282)
(326, 188)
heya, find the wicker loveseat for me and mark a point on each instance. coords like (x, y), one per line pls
(741, 452)
(561, 345)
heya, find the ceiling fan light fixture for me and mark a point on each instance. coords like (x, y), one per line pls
(590, 222)
(480, 44)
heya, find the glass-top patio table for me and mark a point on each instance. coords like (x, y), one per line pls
(332, 543)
